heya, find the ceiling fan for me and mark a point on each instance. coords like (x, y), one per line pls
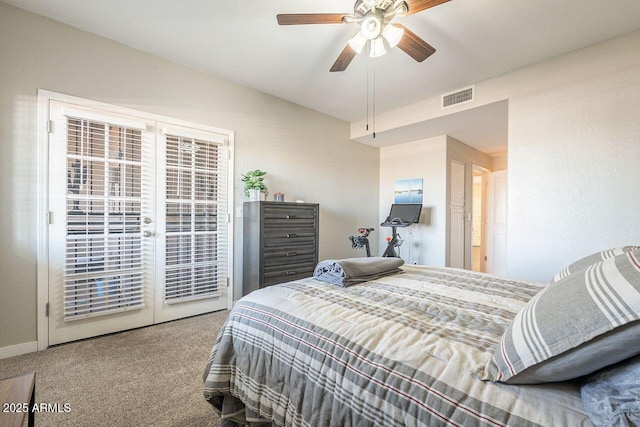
(376, 29)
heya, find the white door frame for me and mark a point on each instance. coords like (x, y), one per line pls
(483, 217)
(42, 196)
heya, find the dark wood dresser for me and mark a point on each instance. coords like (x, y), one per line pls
(280, 242)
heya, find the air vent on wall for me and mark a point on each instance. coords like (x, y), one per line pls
(458, 97)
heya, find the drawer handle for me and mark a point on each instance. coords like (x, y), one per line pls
(291, 216)
(291, 254)
(290, 235)
(290, 273)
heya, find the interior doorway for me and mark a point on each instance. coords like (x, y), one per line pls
(478, 216)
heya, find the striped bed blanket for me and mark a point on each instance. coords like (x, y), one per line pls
(401, 350)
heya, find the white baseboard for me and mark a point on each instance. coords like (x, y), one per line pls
(18, 349)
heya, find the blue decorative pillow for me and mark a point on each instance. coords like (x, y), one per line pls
(611, 396)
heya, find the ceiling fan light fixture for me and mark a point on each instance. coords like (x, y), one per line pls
(393, 34)
(401, 8)
(358, 42)
(371, 26)
(377, 48)
(349, 19)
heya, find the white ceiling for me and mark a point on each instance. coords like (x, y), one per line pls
(241, 41)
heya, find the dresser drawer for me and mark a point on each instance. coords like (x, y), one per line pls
(291, 255)
(289, 211)
(286, 273)
(289, 217)
(283, 238)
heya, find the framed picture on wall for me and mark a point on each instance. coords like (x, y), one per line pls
(408, 191)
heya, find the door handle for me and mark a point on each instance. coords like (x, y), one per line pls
(147, 233)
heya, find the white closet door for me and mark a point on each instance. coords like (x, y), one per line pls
(497, 223)
(101, 190)
(456, 214)
(193, 236)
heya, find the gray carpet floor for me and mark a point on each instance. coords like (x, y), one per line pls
(145, 377)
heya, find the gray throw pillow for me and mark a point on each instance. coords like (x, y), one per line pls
(611, 396)
(583, 263)
(575, 326)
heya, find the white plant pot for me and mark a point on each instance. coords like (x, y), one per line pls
(255, 195)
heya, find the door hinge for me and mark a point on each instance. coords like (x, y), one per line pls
(49, 126)
(228, 282)
(228, 218)
(485, 258)
(47, 310)
(49, 218)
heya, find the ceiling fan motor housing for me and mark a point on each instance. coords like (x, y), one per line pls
(386, 7)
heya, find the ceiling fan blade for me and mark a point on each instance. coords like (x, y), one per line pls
(310, 18)
(416, 6)
(343, 61)
(414, 46)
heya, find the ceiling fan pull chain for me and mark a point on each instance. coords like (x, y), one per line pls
(368, 61)
(374, 101)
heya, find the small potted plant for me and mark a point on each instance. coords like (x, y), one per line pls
(254, 185)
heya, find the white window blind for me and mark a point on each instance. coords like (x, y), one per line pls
(196, 217)
(103, 248)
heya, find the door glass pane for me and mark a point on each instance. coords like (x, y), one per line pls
(103, 249)
(193, 168)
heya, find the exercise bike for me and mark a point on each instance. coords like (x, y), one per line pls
(395, 241)
(400, 216)
(362, 241)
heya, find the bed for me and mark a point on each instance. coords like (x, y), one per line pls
(407, 349)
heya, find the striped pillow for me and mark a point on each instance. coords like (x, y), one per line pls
(573, 327)
(582, 264)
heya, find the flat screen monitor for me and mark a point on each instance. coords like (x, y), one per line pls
(407, 212)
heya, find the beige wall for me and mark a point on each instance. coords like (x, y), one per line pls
(424, 243)
(573, 153)
(499, 163)
(308, 155)
(574, 158)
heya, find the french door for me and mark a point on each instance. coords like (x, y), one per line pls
(192, 240)
(138, 222)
